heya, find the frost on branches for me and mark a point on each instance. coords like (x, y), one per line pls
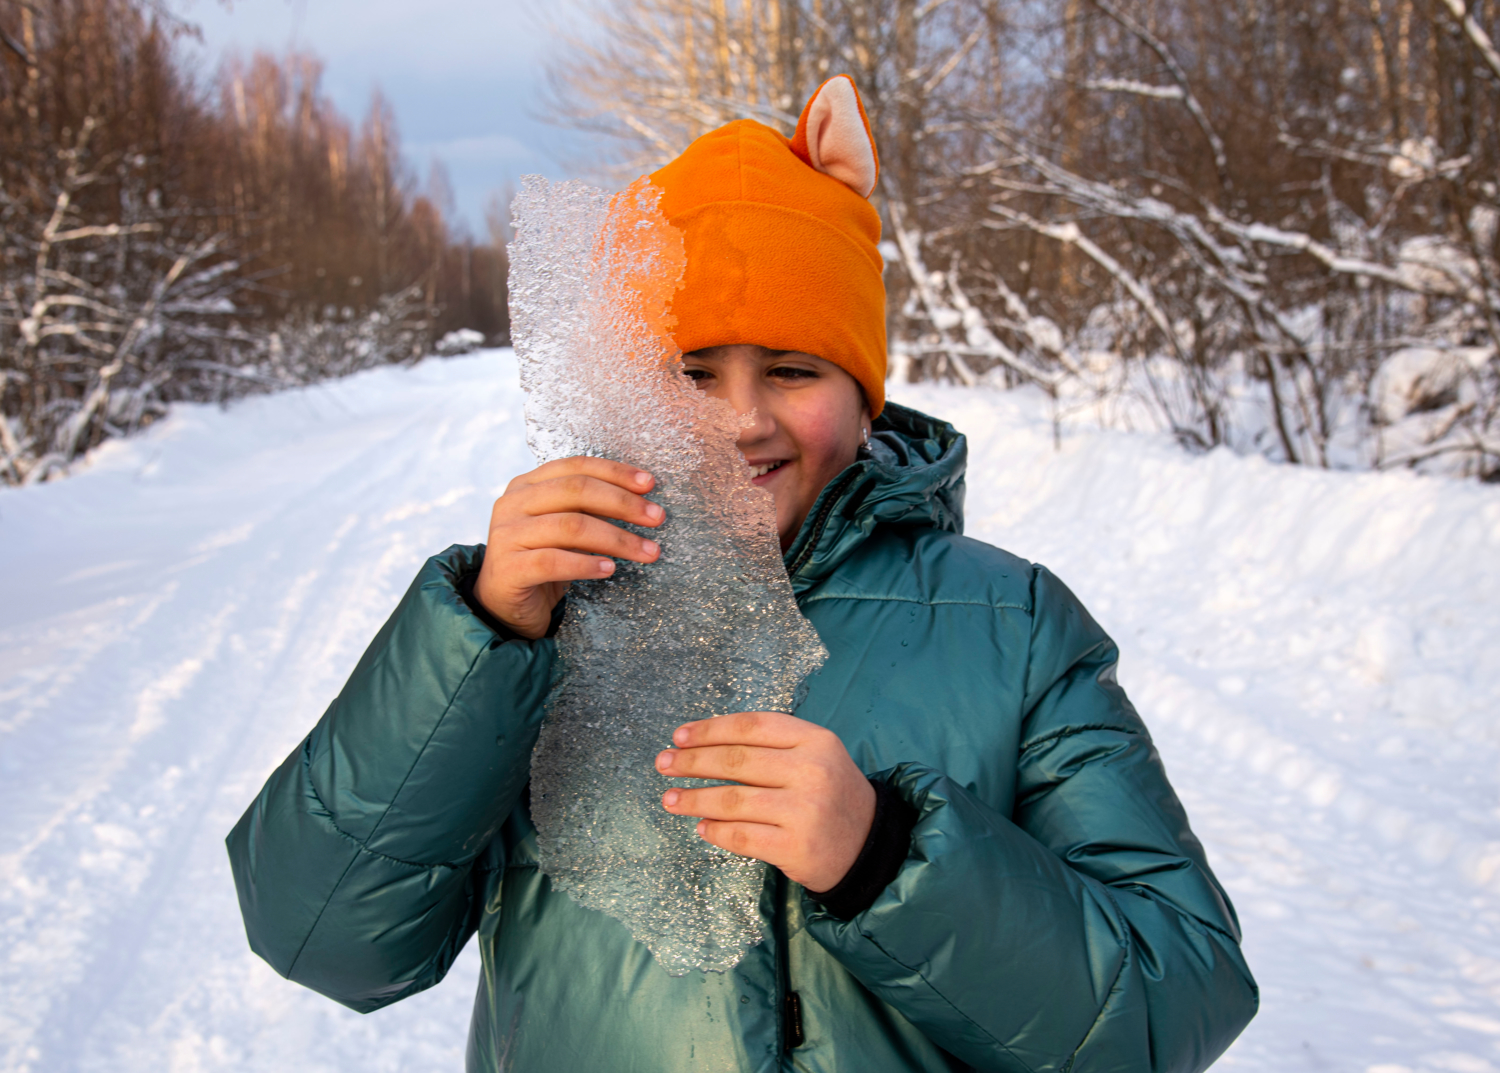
(108, 317)
(1249, 229)
(710, 628)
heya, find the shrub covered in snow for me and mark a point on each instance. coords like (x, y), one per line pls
(1228, 221)
(462, 341)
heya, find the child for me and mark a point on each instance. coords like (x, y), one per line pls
(978, 861)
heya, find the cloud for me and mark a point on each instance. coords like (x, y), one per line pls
(464, 76)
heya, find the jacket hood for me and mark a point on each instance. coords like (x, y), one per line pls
(912, 473)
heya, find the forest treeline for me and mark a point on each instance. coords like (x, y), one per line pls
(1267, 224)
(1270, 224)
(164, 238)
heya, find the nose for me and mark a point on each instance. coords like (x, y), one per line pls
(757, 426)
(743, 392)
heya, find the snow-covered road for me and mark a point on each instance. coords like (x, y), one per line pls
(1315, 652)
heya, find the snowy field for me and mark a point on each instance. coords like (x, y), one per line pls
(1316, 654)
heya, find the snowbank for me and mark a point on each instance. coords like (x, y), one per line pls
(1309, 649)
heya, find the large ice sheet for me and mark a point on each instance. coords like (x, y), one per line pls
(708, 629)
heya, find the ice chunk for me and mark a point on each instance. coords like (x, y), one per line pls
(708, 629)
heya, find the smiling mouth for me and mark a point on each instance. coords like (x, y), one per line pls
(769, 467)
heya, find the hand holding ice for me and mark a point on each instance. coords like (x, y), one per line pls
(708, 629)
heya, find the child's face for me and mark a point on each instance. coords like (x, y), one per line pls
(809, 416)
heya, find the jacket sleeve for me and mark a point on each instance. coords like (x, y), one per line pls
(1082, 931)
(356, 865)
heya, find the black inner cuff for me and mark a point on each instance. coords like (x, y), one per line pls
(884, 851)
(466, 584)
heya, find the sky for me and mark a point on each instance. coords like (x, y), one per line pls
(464, 76)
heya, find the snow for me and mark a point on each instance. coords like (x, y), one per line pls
(1309, 648)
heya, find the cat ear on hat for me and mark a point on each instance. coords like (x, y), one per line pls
(833, 136)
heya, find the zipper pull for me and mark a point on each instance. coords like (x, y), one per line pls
(793, 1020)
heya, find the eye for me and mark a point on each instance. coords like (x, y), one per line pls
(792, 372)
(697, 376)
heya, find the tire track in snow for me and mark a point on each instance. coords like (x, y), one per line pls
(1319, 695)
(82, 636)
(43, 925)
(63, 1026)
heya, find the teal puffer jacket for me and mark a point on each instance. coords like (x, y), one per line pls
(1054, 911)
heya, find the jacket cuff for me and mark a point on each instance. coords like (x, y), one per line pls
(501, 630)
(884, 851)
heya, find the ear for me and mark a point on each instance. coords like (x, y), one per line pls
(833, 136)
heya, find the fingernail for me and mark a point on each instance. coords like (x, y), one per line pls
(654, 513)
(650, 547)
(670, 798)
(664, 761)
(680, 736)
(702, 825)
(606, 566)
(642, 478)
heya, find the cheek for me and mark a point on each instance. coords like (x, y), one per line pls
(827, 435)
(825, 452)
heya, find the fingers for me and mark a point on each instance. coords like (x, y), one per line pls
(548, 565)
(561, 505)
(747, 764)
(549, 529)
(749, 804)
(629, 478)
(762, 841)
(771, 730)
(580, 532)
(795, 799)
(577, 493)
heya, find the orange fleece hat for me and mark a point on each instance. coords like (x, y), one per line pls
(781, 239)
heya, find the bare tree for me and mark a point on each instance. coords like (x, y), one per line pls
(90, 353)
(1265, 225)
(161, 239)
